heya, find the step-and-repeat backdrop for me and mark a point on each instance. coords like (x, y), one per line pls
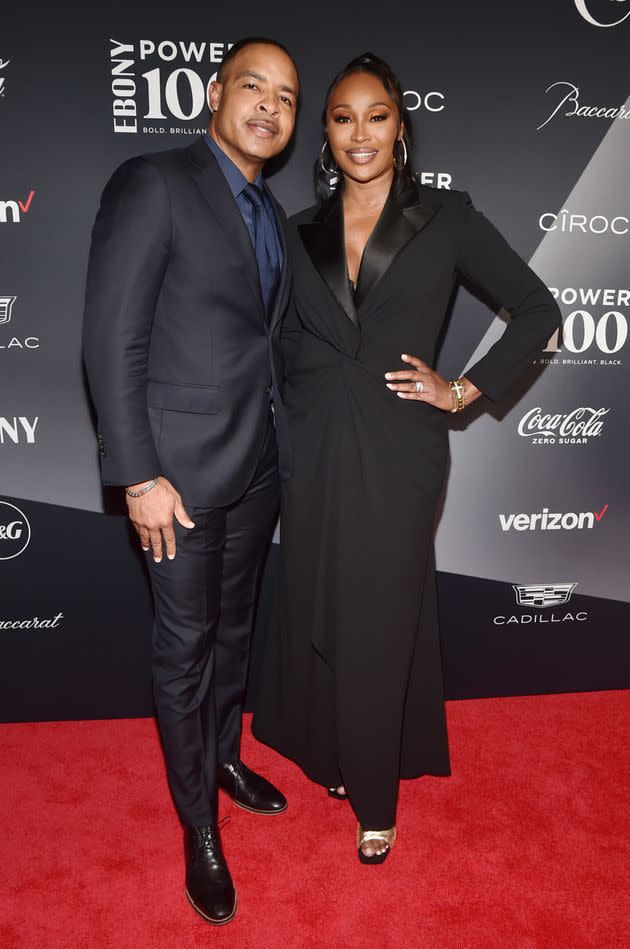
(525, 105)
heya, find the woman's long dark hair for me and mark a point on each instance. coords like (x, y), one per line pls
(370, 63)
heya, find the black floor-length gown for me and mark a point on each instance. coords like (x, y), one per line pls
(352, 683)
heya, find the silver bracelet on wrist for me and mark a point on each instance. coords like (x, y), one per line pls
(144, 490)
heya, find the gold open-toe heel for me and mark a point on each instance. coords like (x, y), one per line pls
(388, 837)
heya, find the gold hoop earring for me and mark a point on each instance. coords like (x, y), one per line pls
(327, 171)
(401, 141)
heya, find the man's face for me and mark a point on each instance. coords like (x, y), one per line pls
(253, 108)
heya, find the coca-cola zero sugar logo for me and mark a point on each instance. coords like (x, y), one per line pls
(15, 531)
(567, 428)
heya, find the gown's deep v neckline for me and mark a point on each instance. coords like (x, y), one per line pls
(355, 283)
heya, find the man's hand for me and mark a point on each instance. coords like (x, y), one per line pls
(152, 516)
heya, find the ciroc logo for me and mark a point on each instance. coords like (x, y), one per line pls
(568, 222)
(15, 531)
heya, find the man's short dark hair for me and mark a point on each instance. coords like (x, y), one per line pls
(250, 41)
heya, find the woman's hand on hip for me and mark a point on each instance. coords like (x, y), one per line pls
(420, 383)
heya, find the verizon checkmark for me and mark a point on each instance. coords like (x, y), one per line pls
(601, 513)
(26, 206)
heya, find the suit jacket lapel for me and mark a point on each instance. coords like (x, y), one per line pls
(323, 238)
(212, 184)
(280, 301)
(403, 216)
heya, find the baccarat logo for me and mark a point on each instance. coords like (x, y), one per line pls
(566, 99)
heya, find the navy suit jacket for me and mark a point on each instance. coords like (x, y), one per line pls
(179, 355)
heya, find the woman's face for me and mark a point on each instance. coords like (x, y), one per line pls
(362, 127)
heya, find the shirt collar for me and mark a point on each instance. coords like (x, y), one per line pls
(233, 174)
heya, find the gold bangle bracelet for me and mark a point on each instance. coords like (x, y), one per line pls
(458, 390)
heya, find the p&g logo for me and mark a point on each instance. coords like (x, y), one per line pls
(15, 531)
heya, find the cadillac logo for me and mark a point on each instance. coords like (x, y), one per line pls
(543, 594)
(6, 305)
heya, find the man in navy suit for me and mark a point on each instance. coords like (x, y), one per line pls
(186, 286)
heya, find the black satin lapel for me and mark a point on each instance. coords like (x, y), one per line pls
(212, 184)
(401, 219)
(280, 301)
(324, 241)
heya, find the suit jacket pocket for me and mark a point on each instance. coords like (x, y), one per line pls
(204, 400)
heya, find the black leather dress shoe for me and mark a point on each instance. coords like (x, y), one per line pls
(209, 885)
(249, 790)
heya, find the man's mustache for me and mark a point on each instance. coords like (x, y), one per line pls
(264, 123)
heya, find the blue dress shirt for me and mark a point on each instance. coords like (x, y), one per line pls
(237, 182)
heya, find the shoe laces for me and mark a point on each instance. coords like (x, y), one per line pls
(207, 837)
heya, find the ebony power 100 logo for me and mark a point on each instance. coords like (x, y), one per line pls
(161, 87)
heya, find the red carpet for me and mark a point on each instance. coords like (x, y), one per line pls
(525, 847)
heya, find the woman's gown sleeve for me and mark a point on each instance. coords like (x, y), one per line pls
(486, 260)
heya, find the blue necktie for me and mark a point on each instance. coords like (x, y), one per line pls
(265, 246)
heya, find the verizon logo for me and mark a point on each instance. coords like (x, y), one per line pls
(550, 521)
(11, 211)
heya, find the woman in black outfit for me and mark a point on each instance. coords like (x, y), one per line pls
(352, 685)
